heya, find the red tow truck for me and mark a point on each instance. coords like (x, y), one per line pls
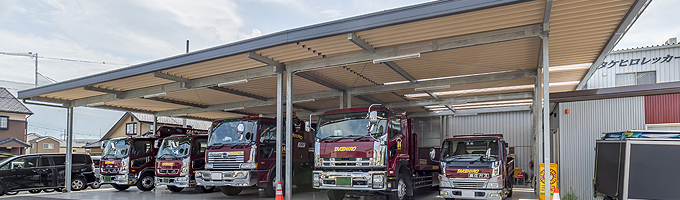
(242, 153)
(476, 167)
(178, 158)
(370, 151)
(130, 161)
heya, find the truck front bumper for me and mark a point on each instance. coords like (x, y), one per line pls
(226, 178)
(456, 193)
(363, 181)
(177, 181)
(124, 179)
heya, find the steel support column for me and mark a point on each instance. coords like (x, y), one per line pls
(155, 123)
(546, 115)
(538, 122)
(342, 100)
(279, 125)
(289, 134)
(69, 149)
(349, 100)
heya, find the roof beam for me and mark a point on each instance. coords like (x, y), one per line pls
(184, 103)
(468, 112)
(239, 112)
(400, 71)
(330, 84)
(360, 42)
(280, 67)
(251, 103)
(238, 92)
(628, 20)
(175, 86)
(479, 78)
(508, 34)
(64, 103)
(119, 94)
(462, 100)
(185, 82)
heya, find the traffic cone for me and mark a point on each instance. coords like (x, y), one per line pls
(556, 195)
(279, 193)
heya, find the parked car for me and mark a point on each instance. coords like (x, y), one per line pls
(44, 172)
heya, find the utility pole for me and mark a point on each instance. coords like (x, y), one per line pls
(36, 66)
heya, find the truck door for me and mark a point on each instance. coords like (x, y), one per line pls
(267, 149)
(198, 152)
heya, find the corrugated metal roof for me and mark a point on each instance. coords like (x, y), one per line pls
(8, 103)
(195, 124)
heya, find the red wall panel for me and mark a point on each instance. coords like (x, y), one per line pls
(663, 108)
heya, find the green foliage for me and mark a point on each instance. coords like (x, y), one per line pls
(570, 195)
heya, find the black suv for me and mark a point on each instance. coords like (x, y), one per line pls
(36, 172)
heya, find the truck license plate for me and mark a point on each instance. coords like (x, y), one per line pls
(166, 180)
(478, 175)
(216, 176)
(107, 179)
(468, 194)
(343, 181)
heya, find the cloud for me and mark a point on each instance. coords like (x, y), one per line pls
(255, 33)
(331, 13)
(5, 7)
(654, 26)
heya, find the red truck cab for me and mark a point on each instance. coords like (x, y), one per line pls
(131, 160)
(242, 153)
(178, 158)
(476, 167)
(370, 151)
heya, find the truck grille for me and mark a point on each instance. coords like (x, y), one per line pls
(345, 162)
(467, 184)
(109, 170)
(167, 171)
(225, 162)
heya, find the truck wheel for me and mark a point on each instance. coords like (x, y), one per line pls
(174, 188)
(120, 187)
(231, 191)
(146, 182)
(96, 184)
(400, 194)
(336, 194)
(78, 184)
(270, 190)
(206, 189)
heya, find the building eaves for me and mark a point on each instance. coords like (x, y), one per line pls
(616, 92)
(645, 48)
(9, 103)
(8, 140)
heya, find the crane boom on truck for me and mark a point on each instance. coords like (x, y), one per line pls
(370, 151)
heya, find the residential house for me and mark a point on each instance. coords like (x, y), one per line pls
(13, 123)
(140, 124)
(43, 144)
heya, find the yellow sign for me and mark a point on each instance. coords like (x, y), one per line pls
(345, 149)
(235, 153)
(553, 179)
(167, 164)
(108, 162)
(468, 171)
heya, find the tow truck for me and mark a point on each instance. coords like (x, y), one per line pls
(178, 158)
(476, 167)
(129, 161)
(242, 153)
(370, 151)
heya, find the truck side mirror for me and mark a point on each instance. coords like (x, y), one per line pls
(249, 136)
(308, 127)
(373, 117)
(487, 155)
(240, 128)
(103, 145)
(433, 154)
(156, 144)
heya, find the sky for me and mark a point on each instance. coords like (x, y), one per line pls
(126, 32)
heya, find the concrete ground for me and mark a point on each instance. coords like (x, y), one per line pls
(161, 193)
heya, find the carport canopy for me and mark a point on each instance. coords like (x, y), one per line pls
(436, 58)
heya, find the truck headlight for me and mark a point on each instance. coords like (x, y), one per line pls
(378, 178)
(208, 165)
(239, 174)
(444, 182)
(494, 182)
(316, 179)
(249, 165)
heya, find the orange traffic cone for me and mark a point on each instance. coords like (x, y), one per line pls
(279, 193)
(556, 195)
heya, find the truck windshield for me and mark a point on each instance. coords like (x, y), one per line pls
(116, 149)
(225, 133)
(348, 125)
(469, 150)
(175, 148)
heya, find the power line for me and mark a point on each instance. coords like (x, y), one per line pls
(62, 59)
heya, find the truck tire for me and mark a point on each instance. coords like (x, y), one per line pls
(120, 187)
(400, 194)
(206, 189)
(96, 184)
(146, 182)
(231, 191)
(336, 194)
(270, 190)
(174, 188)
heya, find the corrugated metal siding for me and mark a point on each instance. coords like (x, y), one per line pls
(661, 109)
(665, 71)
(429, 131)
(579, 129)
(516, 128)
